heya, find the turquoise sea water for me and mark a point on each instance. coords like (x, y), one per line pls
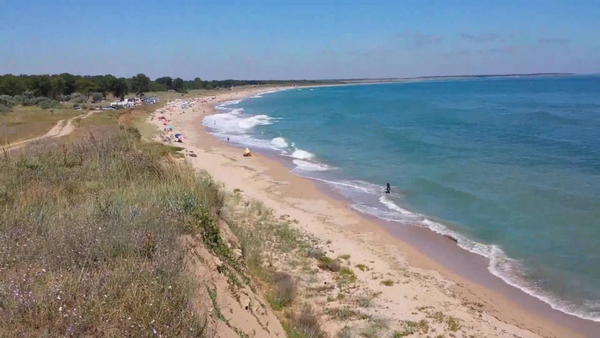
(509, 166)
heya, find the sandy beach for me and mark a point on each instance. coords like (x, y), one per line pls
(430, 273)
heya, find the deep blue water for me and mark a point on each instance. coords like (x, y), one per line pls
(510, 167)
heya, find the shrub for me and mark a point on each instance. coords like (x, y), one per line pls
(305, 325)
(97, 97)
(28, 94)
(327, 263)
(64, 98)
(41, 99)
(284, 290)
(29, 101)
(346, 275)
(18, 99)
(47, 104)
(4, 109)
(453, 324)
(387, 282)
(315, 253)
(7, 101)
(78, 98)
(362, 267)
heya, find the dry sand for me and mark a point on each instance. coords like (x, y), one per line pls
(421, 286)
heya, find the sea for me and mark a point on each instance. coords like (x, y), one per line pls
(507, 166)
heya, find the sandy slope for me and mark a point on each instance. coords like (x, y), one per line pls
(421, 287)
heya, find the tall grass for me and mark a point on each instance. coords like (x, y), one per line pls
(89, 240)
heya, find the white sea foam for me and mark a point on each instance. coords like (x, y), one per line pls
(259, 95)
(232, 123)
(392, 206)
(511, 271)
(302, 154)
(279, 142)
(310, 166)
(227, 103)
(258, 120)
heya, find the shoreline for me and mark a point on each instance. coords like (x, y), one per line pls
(417, 248)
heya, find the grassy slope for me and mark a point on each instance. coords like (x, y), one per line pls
(89, 239)
(28, 122)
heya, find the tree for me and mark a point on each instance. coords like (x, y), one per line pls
(197, 83)
(85, 87)
(42, 85)
(105, 84)
(140, 84)
(11, 85)
(58, 86)
(178, 84)
(119, 88)
(97, 97)
(70, 86)
(166, 80)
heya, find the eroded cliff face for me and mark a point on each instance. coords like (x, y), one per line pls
(232, 307)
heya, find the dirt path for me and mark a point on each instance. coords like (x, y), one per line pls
(62, 128)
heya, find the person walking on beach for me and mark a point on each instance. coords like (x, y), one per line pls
(388, 189)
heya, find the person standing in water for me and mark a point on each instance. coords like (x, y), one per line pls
(388, 189)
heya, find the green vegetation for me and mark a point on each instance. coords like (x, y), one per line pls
(453, 324)
(410, 327)
(284, 291)
(362, 267)
(387, 282)
(304, 325)
(60, 86)
(438, 317)
(346, 276)
(27, 122)
(373, 330)
(327, 263)
(89, 239)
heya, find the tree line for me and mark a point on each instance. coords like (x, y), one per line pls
(61, 85)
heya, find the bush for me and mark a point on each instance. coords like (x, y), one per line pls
(78, 98)
(4, 109)
(29, 101)
(49, 104)
(7, 101)
(327, 263)
(28, 94)
(284, 290)
(97, 97)
(306, 325)
(65, 98)
(41, 99)
(18, 99)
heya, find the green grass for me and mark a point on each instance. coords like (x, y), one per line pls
(453, 324)
(89, 239)
(346, 276)
(362, 267)
(387, 282)
(29, 122)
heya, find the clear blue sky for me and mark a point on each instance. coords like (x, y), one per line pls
(298, 39)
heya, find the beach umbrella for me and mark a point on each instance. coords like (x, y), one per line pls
(178, 135)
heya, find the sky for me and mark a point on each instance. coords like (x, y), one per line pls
(306, 39)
